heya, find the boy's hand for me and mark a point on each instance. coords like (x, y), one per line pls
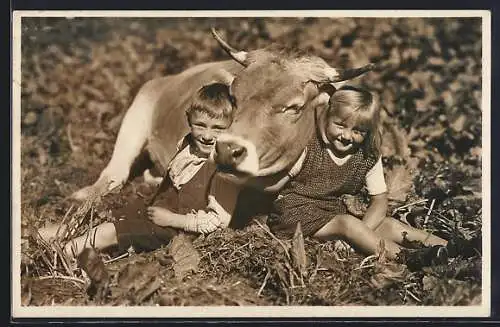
(160, 216)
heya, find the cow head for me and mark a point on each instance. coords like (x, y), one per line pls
(276, 95)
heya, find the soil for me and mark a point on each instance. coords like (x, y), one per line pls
(79, 76)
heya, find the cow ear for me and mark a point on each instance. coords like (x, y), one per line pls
(223, 76)
(215, 86)
(327, 88)
(320, 113)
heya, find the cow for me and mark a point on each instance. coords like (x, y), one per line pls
(276, 92)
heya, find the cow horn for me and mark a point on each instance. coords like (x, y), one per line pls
(338, 75)
(239, 56)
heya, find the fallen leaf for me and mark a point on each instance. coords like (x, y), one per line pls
(186, 257)
(399, 183)
(298, 252)
(137, 281)
(355, 205)
(459, 123)
(90, 261)
(429, 282)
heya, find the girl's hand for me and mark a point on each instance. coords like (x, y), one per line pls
(160, 216)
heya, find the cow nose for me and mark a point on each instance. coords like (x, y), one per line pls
(346, 135)
(229, 154)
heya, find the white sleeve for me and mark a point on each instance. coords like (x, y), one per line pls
(210, 219)
(375, 181)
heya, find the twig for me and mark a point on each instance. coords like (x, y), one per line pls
(274, 237)
(89, 233)
(55, 258)
(363, 267)
(47, 262)
(61, 254)
(426, 219)
(335, 254)
(365, 260)
(413, 296)
(264, 283)
(121, 256)
(74, 279)
(66, 215)
(316, 268)
(72, 145)
(409, 205)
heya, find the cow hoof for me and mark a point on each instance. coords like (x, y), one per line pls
(99, 188)
(150, 179)
(84, 193)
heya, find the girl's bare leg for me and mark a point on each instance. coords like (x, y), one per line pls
(100, 237)
(357, 233)
(393, 230)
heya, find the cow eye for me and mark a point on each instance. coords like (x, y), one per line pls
(294, 109)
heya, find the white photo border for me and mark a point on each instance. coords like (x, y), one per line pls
(482, 310)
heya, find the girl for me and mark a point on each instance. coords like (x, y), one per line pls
(190, 197)
(341, 158)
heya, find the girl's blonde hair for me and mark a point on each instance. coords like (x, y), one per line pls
(366, 106)
(213, 100)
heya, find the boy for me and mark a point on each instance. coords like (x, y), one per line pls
(192, 197)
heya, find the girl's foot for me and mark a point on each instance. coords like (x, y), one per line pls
(425, 257)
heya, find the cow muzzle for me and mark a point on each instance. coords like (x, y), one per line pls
(235, 155)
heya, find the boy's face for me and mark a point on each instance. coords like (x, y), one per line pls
(205, 130)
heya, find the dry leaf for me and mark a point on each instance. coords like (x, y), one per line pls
(90, 261)
(394, 140)
(399, 183)
(355, 205)
(137, 281)
(186, 257)
(298, 252)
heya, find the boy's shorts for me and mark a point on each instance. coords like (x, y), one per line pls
(133, 228)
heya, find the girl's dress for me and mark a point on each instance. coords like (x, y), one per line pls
(313, 197)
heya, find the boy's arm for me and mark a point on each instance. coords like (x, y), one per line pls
(202, 221)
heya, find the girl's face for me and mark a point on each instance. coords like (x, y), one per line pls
(343, 133)
(205, 130)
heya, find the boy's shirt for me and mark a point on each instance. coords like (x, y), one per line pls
(185, 163)
(182, 169)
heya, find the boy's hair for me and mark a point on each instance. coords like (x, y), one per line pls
(213, 100)
(366, 106)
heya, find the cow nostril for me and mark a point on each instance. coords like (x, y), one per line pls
(239, 153)
(229, 154)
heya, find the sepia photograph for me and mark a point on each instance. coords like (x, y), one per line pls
(246, 164)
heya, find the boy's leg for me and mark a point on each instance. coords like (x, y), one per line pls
(51, 231)
(354, 231)
(100, 237)
(393, 230)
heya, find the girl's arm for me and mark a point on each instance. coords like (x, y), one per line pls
(376, 211)
(377, 188)
(273, 184)
(270, 184)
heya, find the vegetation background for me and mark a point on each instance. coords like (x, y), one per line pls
(79, 76)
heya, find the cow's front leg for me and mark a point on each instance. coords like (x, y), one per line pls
(133, 134)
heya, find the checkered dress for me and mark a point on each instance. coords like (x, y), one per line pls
(313, 196)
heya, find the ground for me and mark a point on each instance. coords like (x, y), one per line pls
(79, 75)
